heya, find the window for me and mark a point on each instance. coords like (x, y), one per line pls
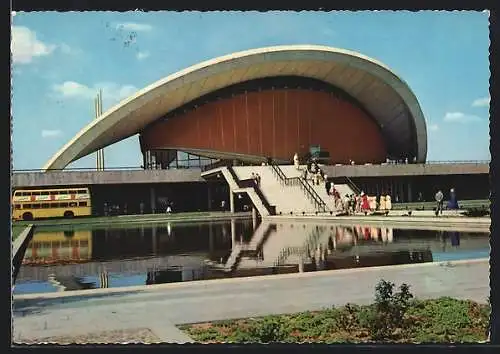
(35, 193)
(45, 205)
(36, 206)
(27, 206)
(45, 193)
(45, 245)
(82, 191)
(72, 204)
(63, 205)
(17, 206)
(25, 194)
(82, 204)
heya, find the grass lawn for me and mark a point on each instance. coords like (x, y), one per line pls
(16, 230)
(394, 317)
(120, 220)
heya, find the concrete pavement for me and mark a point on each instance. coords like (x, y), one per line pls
(159, 307)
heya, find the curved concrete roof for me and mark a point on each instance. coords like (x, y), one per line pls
(386, 96)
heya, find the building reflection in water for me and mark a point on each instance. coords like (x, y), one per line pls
(175, 252)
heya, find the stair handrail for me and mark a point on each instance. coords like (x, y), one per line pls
(241, 184)
(320, 203)
(306, 187)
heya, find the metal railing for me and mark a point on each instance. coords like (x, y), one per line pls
(250, 183)
(349, 182)
(218, 164)
(319, 204)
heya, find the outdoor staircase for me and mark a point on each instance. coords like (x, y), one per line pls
(247, 186)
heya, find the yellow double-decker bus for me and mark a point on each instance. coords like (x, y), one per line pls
(49, 203)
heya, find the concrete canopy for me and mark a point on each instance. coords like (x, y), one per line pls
(386, 96)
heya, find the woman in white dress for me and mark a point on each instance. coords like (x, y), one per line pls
(388, 202)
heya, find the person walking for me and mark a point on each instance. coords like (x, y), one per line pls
(382, 205)
(296, 161)
(439, 202)
(327, 186)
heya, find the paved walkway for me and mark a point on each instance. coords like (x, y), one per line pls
(158, 308)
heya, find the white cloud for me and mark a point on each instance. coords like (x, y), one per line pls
(111, 92)
(66, 49)
(48, 133)
(132, 26)
(142, 55)
(25, 46)
(459, 117)
(433, 127)
(481, 102)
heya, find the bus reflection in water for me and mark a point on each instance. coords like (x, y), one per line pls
(59, 247)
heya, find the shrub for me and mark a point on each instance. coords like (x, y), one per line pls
(270, 329)
(386, 320)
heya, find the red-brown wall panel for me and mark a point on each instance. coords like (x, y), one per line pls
(274, 123)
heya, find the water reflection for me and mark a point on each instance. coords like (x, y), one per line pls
(62, 260)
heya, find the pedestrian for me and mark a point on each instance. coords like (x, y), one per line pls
(439, 202)
(169, 209)
(296, 161)
(388, 202)
(365, 205)
(257, 176)
(382, 204)
(327, 185)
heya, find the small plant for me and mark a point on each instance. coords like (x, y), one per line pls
(387, 318)
(270, 329)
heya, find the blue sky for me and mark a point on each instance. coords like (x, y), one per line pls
(61, 59)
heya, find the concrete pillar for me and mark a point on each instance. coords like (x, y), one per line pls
(233, 233)
(301, 265)
(152, 195)
(231, 200)
(153, 237)
(254, 218)
(209, 196)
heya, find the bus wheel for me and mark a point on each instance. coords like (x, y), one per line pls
(27, 216)
(68, 214)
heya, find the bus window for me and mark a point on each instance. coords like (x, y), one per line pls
(45, 244)
(82, 191)
(16, 193)
(36, 206)
(63, 205)
(27, 206)
(72, 204)
(17, 206)
(35, 193)
(26, 194)
(82, 204)
(45, 205)
(45, 193)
